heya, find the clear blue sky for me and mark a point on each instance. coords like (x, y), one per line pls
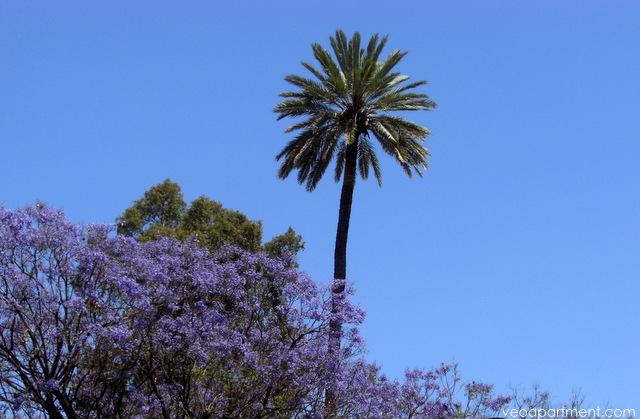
(517, 255)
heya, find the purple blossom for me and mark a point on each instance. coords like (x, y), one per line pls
(48, 386)
(97, 325)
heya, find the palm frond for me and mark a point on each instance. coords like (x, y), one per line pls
(349, 97)
(311, 151)
(313, 71)
(367, 158)
(302, 106)
(403, 125)
(388, 138)
(391, 61)
(354, 55)
(340, 158)
(402, 139)
(403, 102)
(374, 49)
(340, 47)
(304, 83)
(314, 121)
(326, 61)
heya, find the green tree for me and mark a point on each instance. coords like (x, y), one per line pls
(157, 213)
(162, 211)
(353, 98)
(215, 225)
(288, 243)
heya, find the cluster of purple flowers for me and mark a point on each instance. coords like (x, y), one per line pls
(97, 325)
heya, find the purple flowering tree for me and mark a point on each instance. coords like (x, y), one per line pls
(96, 325)
(45, 324)
(99, 325)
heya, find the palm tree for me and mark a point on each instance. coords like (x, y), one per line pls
(351, 99)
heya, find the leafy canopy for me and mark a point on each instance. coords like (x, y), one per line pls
(352, 96)
(162, 211)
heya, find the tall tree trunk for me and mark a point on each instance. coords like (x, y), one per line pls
(340, 271)
(344, 215)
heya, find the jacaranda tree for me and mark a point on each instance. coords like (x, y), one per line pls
(98, 325)
(354, 97)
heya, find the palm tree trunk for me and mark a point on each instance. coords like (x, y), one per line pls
(344, 216)
(340, 271)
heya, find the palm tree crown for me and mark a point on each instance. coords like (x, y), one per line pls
(349, 101)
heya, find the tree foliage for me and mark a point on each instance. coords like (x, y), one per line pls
(94, 325)
(162, 211)
(353, 96)
(157, 213)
